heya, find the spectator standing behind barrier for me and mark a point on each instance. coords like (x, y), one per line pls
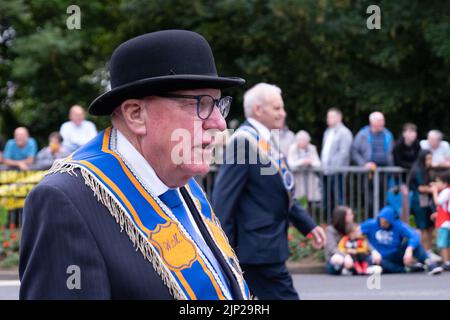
(373, 144)
(441, 197)
(287, 138)
(395, 245)
(439, 149)
(20, 151)
(49, 154)
(407, 148)
(337, 262)
(336, 146)
(303, 155)
(418, 182)
(77, 131)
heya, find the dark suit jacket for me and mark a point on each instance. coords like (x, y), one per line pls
(65, 225)
(254, 208)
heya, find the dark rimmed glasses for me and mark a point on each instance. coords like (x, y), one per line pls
(205, 104)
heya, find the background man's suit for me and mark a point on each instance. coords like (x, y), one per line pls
(254, 212)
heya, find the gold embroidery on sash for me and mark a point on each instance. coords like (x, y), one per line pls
(175, 249)
(219, 236)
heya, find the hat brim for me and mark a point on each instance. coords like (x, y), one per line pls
(107, 102)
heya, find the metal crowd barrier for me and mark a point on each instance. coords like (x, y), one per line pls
(365, 191)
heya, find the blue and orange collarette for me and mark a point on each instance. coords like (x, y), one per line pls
(171, 247)
(263, 148)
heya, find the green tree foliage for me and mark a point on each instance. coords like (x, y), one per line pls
(319, 52)
(52, 67)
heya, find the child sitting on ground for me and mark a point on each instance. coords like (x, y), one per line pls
(355, 245)
(441, 197)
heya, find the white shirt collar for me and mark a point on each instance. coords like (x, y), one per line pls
(142, 168)
(81, 125)
(262, 129)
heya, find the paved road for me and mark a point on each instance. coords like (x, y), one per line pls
(320, 286)
(391, 287)
(9, 289)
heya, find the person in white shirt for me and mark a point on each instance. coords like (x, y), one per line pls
(303, 156)
(78, 131)
(440, 149)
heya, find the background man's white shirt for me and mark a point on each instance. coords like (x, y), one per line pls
(441, 154)
(76, 136)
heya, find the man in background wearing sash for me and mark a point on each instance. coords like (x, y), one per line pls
(120, 218)
(254, 199)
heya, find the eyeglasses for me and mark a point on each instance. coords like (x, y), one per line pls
(205, 104)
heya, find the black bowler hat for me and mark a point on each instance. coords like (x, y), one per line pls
(160, 62)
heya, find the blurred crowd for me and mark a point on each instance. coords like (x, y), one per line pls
(386, 244)
(373, 146)
(21, 152)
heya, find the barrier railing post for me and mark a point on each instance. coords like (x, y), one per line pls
(376, 192)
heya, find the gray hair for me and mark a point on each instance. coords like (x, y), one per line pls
(438, 134)
(257, 94)
(374, 116)
(303, 134)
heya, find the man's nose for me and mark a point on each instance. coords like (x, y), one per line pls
(215, 121)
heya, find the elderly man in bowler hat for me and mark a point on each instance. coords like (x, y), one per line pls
(119, 219)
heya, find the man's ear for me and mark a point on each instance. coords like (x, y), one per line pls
(257, 110)
(134, 114)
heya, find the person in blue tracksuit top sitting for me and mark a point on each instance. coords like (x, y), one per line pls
(396, 245)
